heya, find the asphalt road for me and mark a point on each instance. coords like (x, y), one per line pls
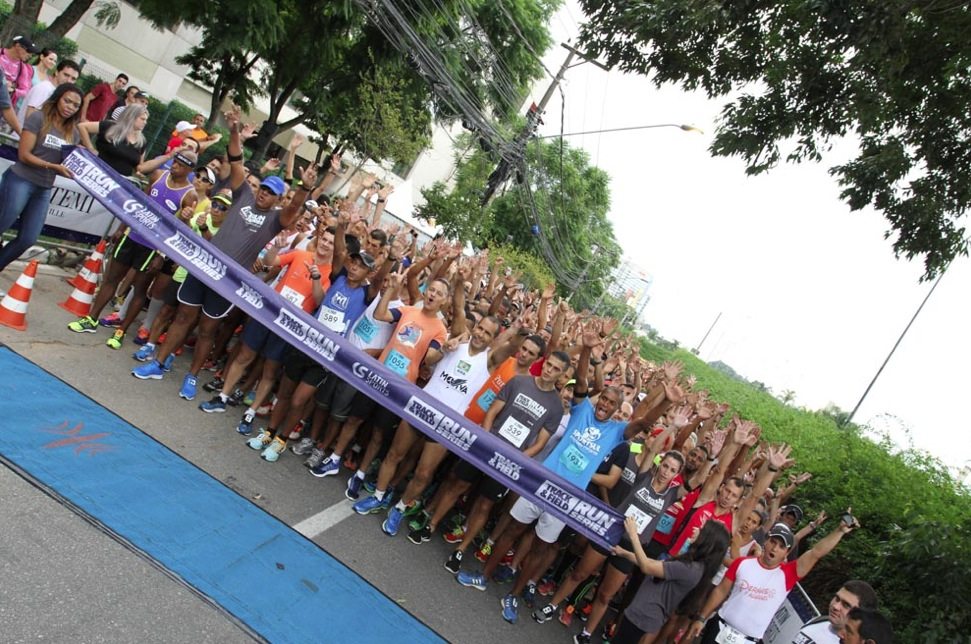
(62, 579)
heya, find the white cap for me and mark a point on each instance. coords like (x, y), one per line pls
(182, 126)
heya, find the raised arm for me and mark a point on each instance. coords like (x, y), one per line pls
(382, 312)
(824, 546)
(234, 149)
(590, 339)
(307, 178)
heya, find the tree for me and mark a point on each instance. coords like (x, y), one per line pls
(801, 74)
(21, 20)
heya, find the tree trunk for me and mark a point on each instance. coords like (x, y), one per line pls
(68, 18)
(21, 21)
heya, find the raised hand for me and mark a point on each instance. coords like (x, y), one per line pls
(309, 176)
(272, 164)
(608, 325)
(673, 392)
(779, 456)
(384, 192)
(681, 417)
(335, 163)
(295, 143)
(248, 131)
(591, 334)
(233, 116)
(671, 370)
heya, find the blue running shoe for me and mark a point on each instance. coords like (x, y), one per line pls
(471, 579)
(167, 364)
(149, 371)
(370, 505)
(326, 468)
(369, 486)
(510, 608)
(188, 390)
(529, 595)
(271, 454)
(393, 522)
(214, 406)
(146, 353)
(503, 574)
(245, 426)
(353, 491)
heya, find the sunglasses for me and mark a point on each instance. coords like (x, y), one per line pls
(220, 206)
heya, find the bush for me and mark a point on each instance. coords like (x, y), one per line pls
(534, 274)
(65, 47)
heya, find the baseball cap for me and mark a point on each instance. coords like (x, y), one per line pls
(794, 510)
(223, 199)
(310, 204)
(183, 126)
(782, 531)
(365, 258)
(274, 184)
(207, 172)
(186, 157)
(27, 44)
(146, 96)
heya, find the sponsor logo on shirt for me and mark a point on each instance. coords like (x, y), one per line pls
(530, 406)
(651, 501)
(505, 466)
(309, 336)
(141, 214)
(459, 384)
(409, 335)
(373, 380)
(54, 142)
(463, 367)
(340, 301)
(90, 176)
(595, 519)
(758, 593)
(250, 294)
(194, 253)
(254, 220)
(455, 433)
(588, 439)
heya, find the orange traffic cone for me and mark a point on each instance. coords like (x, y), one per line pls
(13, 308)
(92, 267)
(79, 302)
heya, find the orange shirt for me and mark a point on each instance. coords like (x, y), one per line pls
(296, 285)
(487, 393)
(411, 340)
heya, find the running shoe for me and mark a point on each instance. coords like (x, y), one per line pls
(455, 535)
(419, 521)
(529, 595)
(210, 365)
(566, 615)
(585, 612)
(414, 509)
(326, 468)
(304, 447)
(544, 614)
(235, 398)
(371, 504)
(149, 371)
(510, 608)
(369, 485)
(547, 587)
(421, 535)
(272, 452)
(142, 336)
(265, 409)
(261, 440)
(353, 491)
(609, 631)
(116, 339)
(188, 390)
(503, 574)
(215, 385)
(112, 321)
(454, 563)
(581, 638)
(483, 553)
(297, 432)
(167, 363)
(249, 398)
(245, 426)
(392, 524)
(508, 557)
(145, 353)
(214, 406)
(471, 579)
(84, 324)
(315, 458)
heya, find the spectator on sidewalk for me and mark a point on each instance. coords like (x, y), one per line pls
(99, 101)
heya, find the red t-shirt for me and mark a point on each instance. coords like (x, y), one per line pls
(104, 98)
(698, 519)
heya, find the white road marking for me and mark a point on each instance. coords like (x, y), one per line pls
(324, 520)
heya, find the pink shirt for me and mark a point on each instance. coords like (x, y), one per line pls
(18, 73)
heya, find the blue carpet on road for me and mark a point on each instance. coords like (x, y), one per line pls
(226, 548)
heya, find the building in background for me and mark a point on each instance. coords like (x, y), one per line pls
(631, 284)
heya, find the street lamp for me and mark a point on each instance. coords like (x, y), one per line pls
(685, 128)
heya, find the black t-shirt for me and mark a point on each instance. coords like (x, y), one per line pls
(122, 158)
(617, 457)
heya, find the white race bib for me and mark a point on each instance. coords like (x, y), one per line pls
(294, 297)
(514, 432)
(333, 320)
(639, 516)
(728, 635)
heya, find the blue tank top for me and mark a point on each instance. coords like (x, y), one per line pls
(342, 305)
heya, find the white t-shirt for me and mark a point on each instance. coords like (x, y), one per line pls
(819, 633)
(757, 593)
(742, 552)
(369, 333)
(458, 376)
(35, 98)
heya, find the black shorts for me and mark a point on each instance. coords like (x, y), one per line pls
(133, 255)
(488, 488)
(337, 396)
(170, 296)
(365, 408)
(622, 564)
(299, 367)
(195, 293)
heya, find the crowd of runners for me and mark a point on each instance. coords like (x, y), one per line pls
(713, 541)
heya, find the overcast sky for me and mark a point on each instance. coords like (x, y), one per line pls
(811, 296)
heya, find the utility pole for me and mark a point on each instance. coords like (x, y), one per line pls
(697, 349)
(533, 118)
